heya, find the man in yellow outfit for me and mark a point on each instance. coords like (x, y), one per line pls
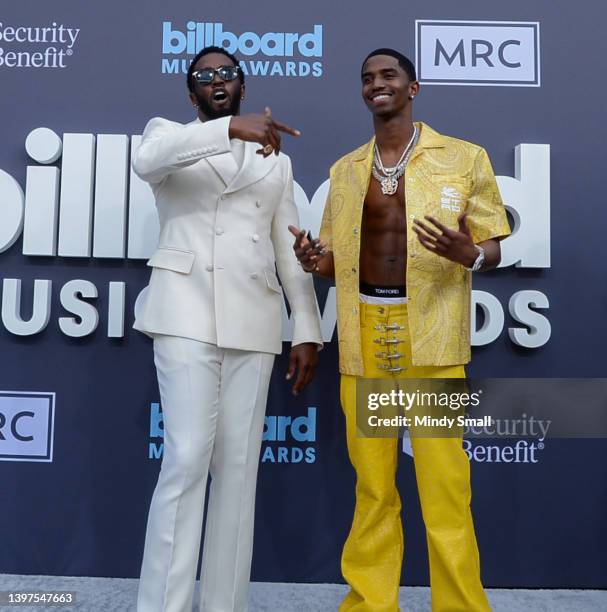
(409, 215)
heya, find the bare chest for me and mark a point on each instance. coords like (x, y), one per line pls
(383, 212)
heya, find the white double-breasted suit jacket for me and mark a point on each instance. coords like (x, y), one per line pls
(223, 233)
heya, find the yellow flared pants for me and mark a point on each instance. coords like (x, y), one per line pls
(373, 552)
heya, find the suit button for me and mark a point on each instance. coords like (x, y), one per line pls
(255, 237)
(209, 268)
(219, 231)
(254, 276)
(258, 203)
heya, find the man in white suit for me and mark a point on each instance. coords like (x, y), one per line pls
(224, 195)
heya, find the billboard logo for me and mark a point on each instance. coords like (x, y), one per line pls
(156, 449)
(295, 437)
(289, 439)
(197, 35)
(26, 426)
(81, 210)
(478, 53)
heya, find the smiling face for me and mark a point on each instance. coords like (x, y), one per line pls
(218, 98)
(386, 88)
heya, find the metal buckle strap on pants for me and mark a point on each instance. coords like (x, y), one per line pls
(392, 326)
(384, 341)
(388, 360)
(383, 355)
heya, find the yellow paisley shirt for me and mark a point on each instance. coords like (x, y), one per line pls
(445, 176)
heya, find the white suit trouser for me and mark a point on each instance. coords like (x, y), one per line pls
(213, 403)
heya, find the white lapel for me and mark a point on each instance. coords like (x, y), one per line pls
(225, 166)
(254, 167)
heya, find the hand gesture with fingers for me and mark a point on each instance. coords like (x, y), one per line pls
(308, 251)
(263, 129)
(454, 245)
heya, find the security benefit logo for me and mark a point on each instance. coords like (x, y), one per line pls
(522, 450)
(48, 45)
(478, 53)
(282, 54)
(26, 426)
(515, 440)
(286, 439)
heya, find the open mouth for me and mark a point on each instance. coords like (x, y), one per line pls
(219, 95)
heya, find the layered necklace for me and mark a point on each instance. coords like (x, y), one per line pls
(388, 176)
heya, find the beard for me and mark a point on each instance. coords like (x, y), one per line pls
(215, 113)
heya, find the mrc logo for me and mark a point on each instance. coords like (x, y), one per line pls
(478, 53)
(26, 426)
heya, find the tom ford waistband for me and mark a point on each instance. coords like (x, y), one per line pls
(382, 291)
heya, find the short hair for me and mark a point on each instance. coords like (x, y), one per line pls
(404, 62)
(206, 51)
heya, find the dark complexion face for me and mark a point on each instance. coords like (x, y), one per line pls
(217, 98)
(386, 88)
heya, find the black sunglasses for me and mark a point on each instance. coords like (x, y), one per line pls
(205, 75)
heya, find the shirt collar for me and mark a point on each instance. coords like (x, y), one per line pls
(428, 139)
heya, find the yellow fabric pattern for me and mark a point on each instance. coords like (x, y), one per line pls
(444, 177)
(373, 553)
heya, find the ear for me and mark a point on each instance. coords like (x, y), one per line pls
(413, 89)
(242, 91)
(193, 99)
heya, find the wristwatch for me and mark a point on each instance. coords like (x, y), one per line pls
(479, 261)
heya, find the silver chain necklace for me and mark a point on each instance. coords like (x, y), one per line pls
(390, 176)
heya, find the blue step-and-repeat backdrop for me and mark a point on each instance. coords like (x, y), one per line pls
(80, 421)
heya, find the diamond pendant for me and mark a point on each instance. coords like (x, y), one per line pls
(389, 185)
